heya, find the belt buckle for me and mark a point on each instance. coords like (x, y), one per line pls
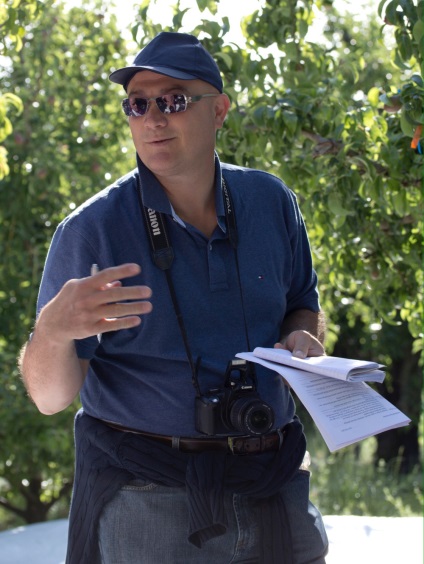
(258, 443)
(232, 445)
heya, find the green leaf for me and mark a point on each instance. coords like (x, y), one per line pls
(335, 204)
(400, 203)
(417, 79)
(368, 117)
(5, 128)
(380, 8)
(290, 121)
(207, 4)
(398, 61)
(303, 28)
(404, 44)
(373, 96)
(409, 10)
(226, 58)
(390, 13)
(417, 31)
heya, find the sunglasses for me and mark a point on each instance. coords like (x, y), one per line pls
(168, 104)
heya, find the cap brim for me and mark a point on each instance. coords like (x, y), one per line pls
(124, 75)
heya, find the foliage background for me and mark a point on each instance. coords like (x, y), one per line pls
(334, 119)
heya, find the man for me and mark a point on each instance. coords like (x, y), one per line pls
(182, 455)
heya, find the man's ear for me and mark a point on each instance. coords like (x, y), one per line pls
(222, 106)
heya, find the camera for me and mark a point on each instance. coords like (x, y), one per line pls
(235, 407)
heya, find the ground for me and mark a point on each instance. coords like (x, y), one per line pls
(353, 540)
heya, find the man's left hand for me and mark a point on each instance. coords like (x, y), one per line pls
(301, 344)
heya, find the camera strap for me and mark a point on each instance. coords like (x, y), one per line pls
(163, 257)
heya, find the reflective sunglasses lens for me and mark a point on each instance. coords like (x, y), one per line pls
(172, 103)
(168, 104)
(139, 106)
(135, 106)
(126, 107)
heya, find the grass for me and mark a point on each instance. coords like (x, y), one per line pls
(348, 482)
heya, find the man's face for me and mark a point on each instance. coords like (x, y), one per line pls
(176, 144)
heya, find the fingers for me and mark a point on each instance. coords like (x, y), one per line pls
(112, 274)
(111, 294)
(116, 306)
(98, 304)
(107, 325)
(114, 310)
(302, 344)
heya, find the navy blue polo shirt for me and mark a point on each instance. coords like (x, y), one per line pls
(140, 377)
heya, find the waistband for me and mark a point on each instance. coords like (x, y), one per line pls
(238, 445)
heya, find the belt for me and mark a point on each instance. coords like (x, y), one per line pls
(234, 445)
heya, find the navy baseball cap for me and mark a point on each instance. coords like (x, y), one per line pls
(178, 55)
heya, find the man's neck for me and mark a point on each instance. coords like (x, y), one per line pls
(193, 198)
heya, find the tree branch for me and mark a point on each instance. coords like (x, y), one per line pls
(323, 145)
(20, 512)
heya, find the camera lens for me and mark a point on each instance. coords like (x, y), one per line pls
(251, 416)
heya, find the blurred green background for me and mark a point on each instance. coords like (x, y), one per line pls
(328, 99)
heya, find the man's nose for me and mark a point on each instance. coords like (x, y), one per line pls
(154, 117)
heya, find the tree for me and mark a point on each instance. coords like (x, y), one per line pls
(334, 120)
(13, 15)
(69, 136)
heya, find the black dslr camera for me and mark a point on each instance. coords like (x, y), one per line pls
(236, 407)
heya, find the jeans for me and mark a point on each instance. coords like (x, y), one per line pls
(147, 524)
